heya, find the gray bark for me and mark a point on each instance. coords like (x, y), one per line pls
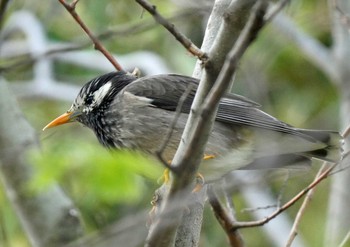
(187, 159)
(49, 217)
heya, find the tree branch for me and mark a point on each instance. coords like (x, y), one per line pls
(307, 199)
(162, 232)
(97, 44)
(169, 134)
(226, 220)
(291, 202)
(59, 50)
(187, 43)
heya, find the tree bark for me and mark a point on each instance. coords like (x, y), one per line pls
(191, 149)
(49, 218)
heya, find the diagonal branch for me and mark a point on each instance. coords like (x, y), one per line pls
(97, 44)
(307, 199)
(169, 134)
(291, 202)
(161, 233)
(122, 30)
(187, 43)
(225, 219)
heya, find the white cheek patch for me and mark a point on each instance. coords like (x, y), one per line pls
(102, 92)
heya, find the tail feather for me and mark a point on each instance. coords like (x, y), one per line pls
(278, 161)
(333, 141)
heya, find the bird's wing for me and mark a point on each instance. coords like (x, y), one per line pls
(165, 92)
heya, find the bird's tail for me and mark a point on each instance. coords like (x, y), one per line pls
(333, 141)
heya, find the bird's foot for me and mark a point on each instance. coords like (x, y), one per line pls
(208, 156)
(165, 178)
(200, 181)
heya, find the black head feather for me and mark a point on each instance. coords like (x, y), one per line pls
(96, 96)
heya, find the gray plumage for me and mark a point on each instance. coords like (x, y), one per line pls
(135, 113)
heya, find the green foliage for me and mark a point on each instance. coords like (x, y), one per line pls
(89, 170)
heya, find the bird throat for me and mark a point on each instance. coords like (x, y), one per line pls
(105, 128)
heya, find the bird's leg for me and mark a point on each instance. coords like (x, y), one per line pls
(200, 181)
(165, 178)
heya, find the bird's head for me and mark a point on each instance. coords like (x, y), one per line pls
(94, 98)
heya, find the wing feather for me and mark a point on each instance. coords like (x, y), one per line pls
(165, 92)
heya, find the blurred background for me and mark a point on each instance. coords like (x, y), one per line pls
(46, 58)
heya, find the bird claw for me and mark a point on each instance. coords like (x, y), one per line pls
(165, 178)
(200, 181)
(208, 156)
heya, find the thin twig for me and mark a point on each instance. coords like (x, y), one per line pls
(276, 9)
(291, 202)
(226, 220)
(249, 210)
(171, 128)
(307, 199)
(123, 30)
(97, 44)
(186, 42)
(278, 201)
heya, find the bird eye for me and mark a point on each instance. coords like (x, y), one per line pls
(88, 100)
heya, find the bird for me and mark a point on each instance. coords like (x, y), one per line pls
(135, 113)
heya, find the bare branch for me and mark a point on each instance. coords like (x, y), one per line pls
(276, 9)
(97, 44)
(187, 43)
(167, 138)
(122, 30)
(189, 161)
(307, 199)
(291, 202)
(226, 220)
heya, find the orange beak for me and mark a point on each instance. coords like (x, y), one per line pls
(67, 117)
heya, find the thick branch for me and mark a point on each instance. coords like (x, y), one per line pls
(187, 162)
